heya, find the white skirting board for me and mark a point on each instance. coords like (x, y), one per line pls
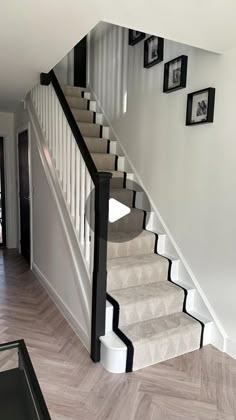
(63, 308)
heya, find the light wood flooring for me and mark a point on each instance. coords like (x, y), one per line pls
(198, 386)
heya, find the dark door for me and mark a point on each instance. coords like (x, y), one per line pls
(80, 63)
(23, 148)
(2, 197)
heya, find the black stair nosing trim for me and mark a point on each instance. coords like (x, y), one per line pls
(144, 218)
(94, 117)
(101, 129)
(82, 94)
(124, 180)
(116, 162)
(121, 335)
(108, 145)
(184, 290)
(88, 104)
(134, 198)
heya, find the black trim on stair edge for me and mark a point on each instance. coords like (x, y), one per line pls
(108, 146)
(124, 182)
(88, 104)
(82, 94)
(94, 117)
(101, 127)
(121, 335)
(181, 287)
(116, 162)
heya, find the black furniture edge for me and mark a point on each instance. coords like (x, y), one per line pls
(26, 364)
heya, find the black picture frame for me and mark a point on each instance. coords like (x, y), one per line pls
(135, 37)
(158, 51)
(205, 107)
(180, 74)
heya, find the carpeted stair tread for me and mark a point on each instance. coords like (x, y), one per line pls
(132, 222)
(123, 195)
(150, 307)
(163, 338)
(124, 244)
(104, 161)
(148, 301)
(83, 115)
(136, 270)
(96, 144)
(117, 180)
(74, 90)
(89, 129)
(76, 102)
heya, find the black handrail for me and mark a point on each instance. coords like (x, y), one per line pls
(102, 192)
(45, 79)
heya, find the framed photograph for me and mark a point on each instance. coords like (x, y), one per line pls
(175, 74)
(135, 37)
(153, 51)
(200, 107)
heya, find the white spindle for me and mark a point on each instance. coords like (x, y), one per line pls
(57, 135)
(49, 118)
(60, 141)
(72, 177)
(68, 163)
(77, 188)
(64, 138)
(82, 201)
(87, 218)
(76, 181)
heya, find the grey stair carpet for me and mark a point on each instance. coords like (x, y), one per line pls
(76, 102)
(125, 196)
(96, 144)
(104, 160)
(89, 129)
(83, 115)
(148, 307)
(74, 91)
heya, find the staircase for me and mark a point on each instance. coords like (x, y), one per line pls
(148, 310)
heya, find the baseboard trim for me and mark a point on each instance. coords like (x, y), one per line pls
(63, 308)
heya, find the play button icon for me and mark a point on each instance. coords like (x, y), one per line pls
(117, 210)
(127, 199)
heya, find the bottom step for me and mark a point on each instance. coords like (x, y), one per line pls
(154, 341)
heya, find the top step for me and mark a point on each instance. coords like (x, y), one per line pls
(75, 91)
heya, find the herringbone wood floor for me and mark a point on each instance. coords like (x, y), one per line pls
(197, 386)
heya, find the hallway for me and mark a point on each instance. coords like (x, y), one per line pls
(198, 386)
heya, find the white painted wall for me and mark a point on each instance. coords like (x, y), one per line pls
(8, 133)
(189, 172)
(35, 36)
(64, 70)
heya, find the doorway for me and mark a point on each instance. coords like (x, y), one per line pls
(2, 197)
(24, 194)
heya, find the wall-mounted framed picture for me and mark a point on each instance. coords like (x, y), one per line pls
(153, 51)
(175, 74)
(200, 106)
(135, 36)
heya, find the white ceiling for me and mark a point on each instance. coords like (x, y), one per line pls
(35, 35)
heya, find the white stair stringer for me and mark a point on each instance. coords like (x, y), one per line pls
(83, 276)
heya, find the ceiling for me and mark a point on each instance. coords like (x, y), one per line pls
(34, 35)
